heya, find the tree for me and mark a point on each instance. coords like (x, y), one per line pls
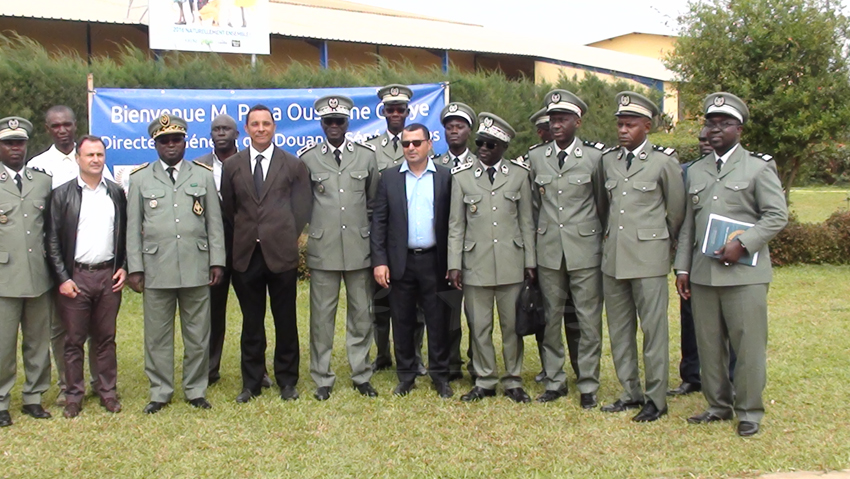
(784, 58)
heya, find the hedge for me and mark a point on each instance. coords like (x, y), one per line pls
(814, 243)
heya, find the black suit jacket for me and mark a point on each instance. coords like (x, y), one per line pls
(275, 217)
(389, 220)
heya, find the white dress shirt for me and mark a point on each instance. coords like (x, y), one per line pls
(63, 167)
(166, 166)
(726, 155)
(217, 165)
(96, 226)
(267, 159)
(568, 149)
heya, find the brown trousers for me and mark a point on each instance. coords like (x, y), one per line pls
(92, 313)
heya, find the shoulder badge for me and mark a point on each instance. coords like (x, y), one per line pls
(763, 156)
(461, 167)
(305, 149)
(609, 150)
(203, 165)
(535, 146)
(519, 162)
(594, 144)
(140, 167)
(370, 138)
(666, 151)
(35, 168)
(368, 146)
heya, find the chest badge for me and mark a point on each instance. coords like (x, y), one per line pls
(197, 208)
(542, 191)
(153, 203)
(3, 219)
(695, 199)
(320, 188)
(473, 208)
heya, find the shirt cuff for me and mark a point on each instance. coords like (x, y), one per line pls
(678, 272)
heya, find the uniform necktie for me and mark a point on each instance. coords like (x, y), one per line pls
(395, 143)
(258, 175)
(456, 162)
(719, 164)
(561, 156)
(338, 157)
(629, 158)
(18, 183)
(491, 173)
(170, 171)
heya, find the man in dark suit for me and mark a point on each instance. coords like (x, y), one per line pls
(409, 235)
(266, 197)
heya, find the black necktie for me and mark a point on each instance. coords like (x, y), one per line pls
(258, 175)
(338, 157)
(561, 156)
(18, 183)
(629, 158)
(456, 161)
(491, 172)
(719, 164)
(170, 171)
(395, 143)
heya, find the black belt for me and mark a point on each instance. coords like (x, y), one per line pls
(94, 267)
(420, 251)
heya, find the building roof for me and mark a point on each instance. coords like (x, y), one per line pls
(650, 34)
(340, 20)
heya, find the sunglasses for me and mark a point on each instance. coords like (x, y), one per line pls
(415, 143)
(490, 145)
(395, 109)
(333, 121)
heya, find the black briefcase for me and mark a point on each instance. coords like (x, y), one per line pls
(530, 318)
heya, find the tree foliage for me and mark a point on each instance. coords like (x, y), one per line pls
(785, 58)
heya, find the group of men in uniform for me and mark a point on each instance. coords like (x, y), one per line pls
(589, 224)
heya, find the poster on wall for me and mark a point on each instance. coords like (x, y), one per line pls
(223, 26)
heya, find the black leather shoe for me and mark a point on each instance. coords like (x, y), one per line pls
(200, 403)
(477, 394)
(366, 389)
(403, 388)
(72, 410)
(421, 370)
(444, 390)
(518, 395)
(685, 388)
(540, 377)
(5, 419)
(620, 406)
(552, 395)
(455, 376)
(381, 365)
(706, 418)
(245, 396)
(587, 400)
(288, 393)
(323, 393)
(36, 411)
(747, 428)
(212, 380)
(266, 382)
(649, 413)
(153, 407)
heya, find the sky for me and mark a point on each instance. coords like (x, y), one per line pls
(576, 21)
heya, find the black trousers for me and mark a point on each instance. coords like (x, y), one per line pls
(218, 323)
(419, 288)
(689, 365)
(251, 287)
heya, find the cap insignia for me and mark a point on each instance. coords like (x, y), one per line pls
(625, 100)
(14, 124)
(719, 101)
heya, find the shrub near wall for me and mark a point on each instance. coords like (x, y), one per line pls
(815, 243)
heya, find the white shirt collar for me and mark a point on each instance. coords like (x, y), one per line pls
(429, 167)
(83, 184)
(568, 149)
(726, 156)
(462, 157)
(637, 150)
(166, 166)
(62, 156)
(12, 172)
(267, 153)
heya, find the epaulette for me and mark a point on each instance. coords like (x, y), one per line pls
(370, 138)
(304, 149)
(666, 151)
(519, 162)
(594, 144)
(140, 167)
(763, 156)
(204, 165)
(461, 167)
(365, 145)
(535, 146)
(35, 168)
(609, 150)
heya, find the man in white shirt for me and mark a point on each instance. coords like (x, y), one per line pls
(60, 162)
(86, 237)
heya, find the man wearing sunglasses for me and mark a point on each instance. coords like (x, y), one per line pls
(646, 196)
(571, 205)
(409, 231)
(491, 248)
(389, 153)
(344, 178)
(729, 286)
(175, 252)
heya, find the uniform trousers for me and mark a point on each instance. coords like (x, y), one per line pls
(479, 303)
(627, 300)
(32, 316)
(160, 306)
(733, 316)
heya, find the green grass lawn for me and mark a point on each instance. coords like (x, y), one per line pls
(815, 204)
(807, 425)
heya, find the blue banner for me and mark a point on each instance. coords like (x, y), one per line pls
(121, 117)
